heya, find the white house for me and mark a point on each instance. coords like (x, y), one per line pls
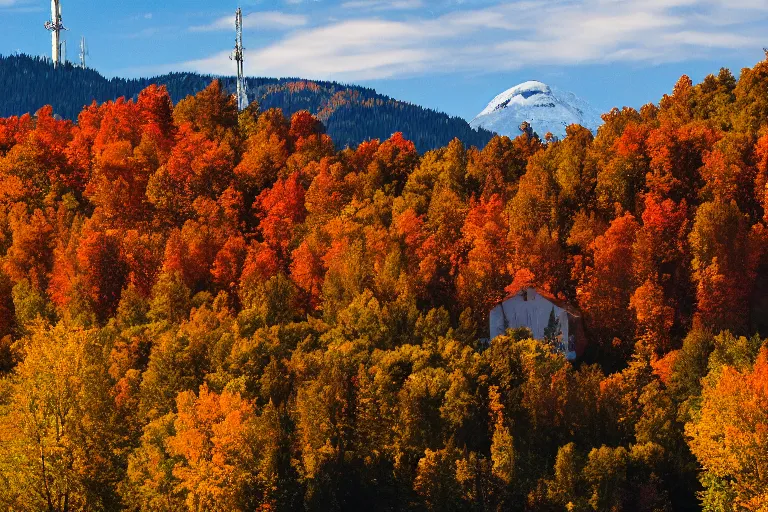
(535, 309)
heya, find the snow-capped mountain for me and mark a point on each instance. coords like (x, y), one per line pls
(545, 108)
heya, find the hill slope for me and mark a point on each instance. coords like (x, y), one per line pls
(351, 113)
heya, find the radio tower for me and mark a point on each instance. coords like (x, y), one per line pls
(238, 57)
(56, 25)
(83, 52)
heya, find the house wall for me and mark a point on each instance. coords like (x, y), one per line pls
(532, 313)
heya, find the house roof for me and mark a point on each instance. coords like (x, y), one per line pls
(562, 304)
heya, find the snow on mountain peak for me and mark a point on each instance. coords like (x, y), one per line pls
(545, 108)
(525, 93)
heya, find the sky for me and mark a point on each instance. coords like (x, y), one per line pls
(450, 55)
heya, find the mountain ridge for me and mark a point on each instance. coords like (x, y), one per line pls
(351, 113)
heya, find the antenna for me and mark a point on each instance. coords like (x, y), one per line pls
(239, 57)
(64, 51)
(55, 26)
(83, 52)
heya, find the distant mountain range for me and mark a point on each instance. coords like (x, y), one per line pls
(545, 108)
(350, 113)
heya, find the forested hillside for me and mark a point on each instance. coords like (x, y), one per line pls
(352, 114)
(208, 310)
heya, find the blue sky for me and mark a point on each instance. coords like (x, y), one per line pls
(450, 55)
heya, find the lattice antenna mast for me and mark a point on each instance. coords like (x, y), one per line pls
(83, 52)
(55, 26)
(238, 55)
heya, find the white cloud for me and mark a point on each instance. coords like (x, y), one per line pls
(19, 5)
(383, 5)
(503, 36)
(260, 20)
(141, 16)
(713, 39)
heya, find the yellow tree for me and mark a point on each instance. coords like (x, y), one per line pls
(59, 437)
(216, 443)
(730, 434)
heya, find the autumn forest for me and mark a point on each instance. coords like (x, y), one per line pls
(210, 310)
